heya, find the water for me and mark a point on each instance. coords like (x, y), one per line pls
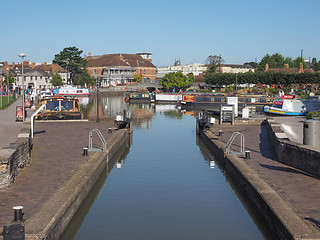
(168, 187)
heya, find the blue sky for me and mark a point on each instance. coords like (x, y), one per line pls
(240, 31)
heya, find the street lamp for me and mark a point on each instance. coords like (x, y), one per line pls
(22, 55)
(8, 84)
(236, 82)
(97, 85)
(1, 65)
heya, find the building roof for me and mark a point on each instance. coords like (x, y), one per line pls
(51, 68)
(286, 69)
(118, 59)
(237, 66)
(32, 72)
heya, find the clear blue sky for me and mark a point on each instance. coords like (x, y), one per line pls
(239, 30)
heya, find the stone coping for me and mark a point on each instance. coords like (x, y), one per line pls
(282, 220)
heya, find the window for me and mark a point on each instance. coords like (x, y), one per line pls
(145, 72)
(140, 70)
(94, 71)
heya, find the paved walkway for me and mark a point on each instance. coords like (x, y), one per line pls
(292, 126)
(9, 128)
(56, 156)
(299, 190)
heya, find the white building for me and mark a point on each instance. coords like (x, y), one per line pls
(234, 68)
(35, 79)
(195, 68)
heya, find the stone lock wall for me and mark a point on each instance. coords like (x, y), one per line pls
(302, 157)
(15, 157)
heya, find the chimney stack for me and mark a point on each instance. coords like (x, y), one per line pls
(286, 66)
(267, 67)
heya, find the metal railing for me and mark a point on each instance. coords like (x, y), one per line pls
(103, 141)
(242, 143)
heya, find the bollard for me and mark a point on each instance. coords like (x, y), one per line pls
(85, 151)
(220, 133)
(110, 130)
(247, 156)
(18, 214)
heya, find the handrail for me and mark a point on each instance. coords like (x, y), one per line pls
(242, 142)
(33, 115)
(104, 143)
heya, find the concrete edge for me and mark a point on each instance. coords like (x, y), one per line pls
(55, 215)
(282, 220)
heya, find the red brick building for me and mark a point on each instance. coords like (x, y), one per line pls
(119, 68)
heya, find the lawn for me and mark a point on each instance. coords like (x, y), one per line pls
(5, 103)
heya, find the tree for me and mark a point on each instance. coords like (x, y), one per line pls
(175, 81)
(11, 78)
(315, 65)
(276, 60)
(70, 59)
(213, 62)
(56, 80)
(296, 63)
(138, 77)
(84, 79)
(191, 78)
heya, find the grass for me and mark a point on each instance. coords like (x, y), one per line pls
(5, 102)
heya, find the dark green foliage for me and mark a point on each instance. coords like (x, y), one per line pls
(175, 81)
(70, 59)
(56, 80)
(84, 78)
(262, 78)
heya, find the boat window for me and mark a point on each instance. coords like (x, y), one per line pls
(52, 106)
(277, 104)
(66, 105)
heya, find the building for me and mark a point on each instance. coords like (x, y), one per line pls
(194, 68)
(119, 68)
(234, 68)
(53, 68)
(35, 79)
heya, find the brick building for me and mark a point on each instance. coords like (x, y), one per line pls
(113, 69)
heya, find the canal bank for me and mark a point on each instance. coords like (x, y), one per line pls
(285, 197)
(59, 177)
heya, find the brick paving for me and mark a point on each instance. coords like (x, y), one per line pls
(299, 190)
(57, 154)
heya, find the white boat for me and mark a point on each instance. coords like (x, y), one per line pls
(73, 91)
(288, 105)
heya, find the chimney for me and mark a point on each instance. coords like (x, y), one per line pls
(301, 68)
(45, 63)
(33, 66)
(89, 54)
(53, 66)
(267, 67)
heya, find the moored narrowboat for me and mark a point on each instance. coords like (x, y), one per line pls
(59, 108)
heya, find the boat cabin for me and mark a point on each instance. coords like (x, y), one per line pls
(58, 108)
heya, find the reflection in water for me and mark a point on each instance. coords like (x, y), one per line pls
(79, 217)
(236, 191)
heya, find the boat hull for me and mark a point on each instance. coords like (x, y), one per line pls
(270, 110)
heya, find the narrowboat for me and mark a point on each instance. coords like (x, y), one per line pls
(139, 97)
(211, 99)
(59, 108)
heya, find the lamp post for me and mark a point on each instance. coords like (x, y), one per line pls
(97, 85)
(236, 82)
(22, 55)
(8, 84)
(1, 65)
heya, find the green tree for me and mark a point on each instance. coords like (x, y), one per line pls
(191, 77)
(56, 80)
(315, 65)
(138, 77)
(276, 60)
(84, 79)
(175, 81)
(11, 78)
(70, 59)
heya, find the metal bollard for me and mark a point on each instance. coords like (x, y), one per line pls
(110, 130)
(18, 214)
(220, 133)
(247, 156)
(85, 151)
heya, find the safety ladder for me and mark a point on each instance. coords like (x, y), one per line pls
(103, 141)
(229, 143)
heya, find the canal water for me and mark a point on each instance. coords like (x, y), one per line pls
(165, 186)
